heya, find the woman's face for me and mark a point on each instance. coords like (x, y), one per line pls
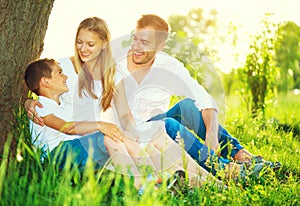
(89, 45)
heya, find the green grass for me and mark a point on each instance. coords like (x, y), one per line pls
(25, 181)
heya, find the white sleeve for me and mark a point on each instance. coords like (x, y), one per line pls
(42, 112)
(203, 98)
(48, 107)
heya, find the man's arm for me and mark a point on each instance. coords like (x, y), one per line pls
(194, 90)
(210, 118)
(206, 103)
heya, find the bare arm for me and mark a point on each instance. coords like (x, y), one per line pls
(83, 128)
(210, 119)
(124, 114)
(32, 114)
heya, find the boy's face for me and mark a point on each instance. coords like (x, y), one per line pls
(58, 80)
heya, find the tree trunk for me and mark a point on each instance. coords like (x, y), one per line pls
(23, 26)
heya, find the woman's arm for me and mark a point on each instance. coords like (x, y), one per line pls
(123, 111)
(32, 114)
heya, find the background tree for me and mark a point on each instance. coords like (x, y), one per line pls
(23, 26)
(266, 65)
(192, 41)
(287, 49)
(260, 70)
(200, 27)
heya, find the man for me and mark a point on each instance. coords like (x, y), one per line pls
(152, 76)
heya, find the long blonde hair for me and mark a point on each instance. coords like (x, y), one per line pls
(107, 65)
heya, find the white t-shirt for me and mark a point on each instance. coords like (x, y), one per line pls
(167, 77)
(46, 137)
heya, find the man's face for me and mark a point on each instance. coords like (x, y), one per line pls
(144, 45)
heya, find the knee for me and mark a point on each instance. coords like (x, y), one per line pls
(112, 146)
(171, 123)
(172, 126)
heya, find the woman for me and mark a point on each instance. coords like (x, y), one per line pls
(91, 80)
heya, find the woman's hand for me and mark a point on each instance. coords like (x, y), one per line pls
(29, 106)
(112, 131)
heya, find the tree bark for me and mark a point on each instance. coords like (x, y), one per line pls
(23, 26)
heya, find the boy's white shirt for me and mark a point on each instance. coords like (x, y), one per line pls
(46, 137)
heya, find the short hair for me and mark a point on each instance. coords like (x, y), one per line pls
(35, 71)
(156, 22)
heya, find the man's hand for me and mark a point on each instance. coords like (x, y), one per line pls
(29, 106)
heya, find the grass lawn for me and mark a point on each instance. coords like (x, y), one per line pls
(25, 181)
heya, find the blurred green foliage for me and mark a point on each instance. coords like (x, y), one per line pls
(272, 65)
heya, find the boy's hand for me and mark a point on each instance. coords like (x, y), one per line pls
(112, 131)
(29, 106)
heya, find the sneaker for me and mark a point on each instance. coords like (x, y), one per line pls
(271, 165)
(256, 169)
(158, 180)
(179, 176)
(259, 160)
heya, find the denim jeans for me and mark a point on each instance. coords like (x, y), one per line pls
(185, 115)
(79, 150)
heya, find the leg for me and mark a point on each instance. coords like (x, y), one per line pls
(192, 145)
(139, 156)
(99, 149)
(170, 156)
(122, 160)
(77, 151)
(186, 113)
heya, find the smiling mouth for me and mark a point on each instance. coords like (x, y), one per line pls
(84, 55)
(138, 54)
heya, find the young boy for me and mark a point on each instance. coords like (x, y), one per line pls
(60, 136)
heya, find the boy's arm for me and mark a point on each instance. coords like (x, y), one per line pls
(83, 128)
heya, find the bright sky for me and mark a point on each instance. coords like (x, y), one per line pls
(121, 16)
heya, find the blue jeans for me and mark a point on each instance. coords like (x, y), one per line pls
(79, 150)
(186, 114)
